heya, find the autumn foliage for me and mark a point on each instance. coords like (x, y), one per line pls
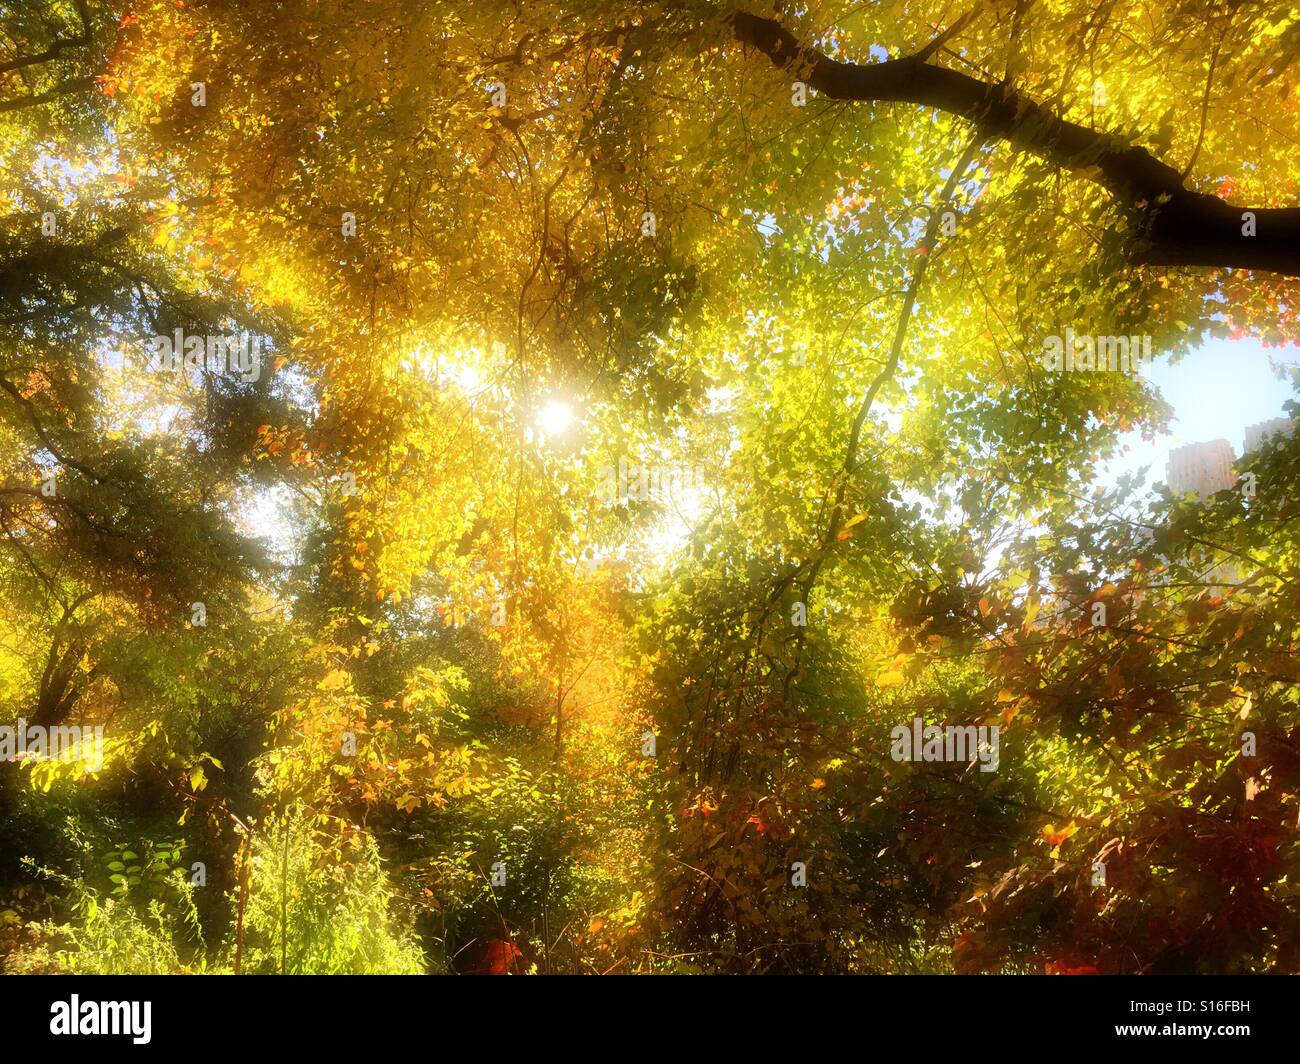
(634, 448)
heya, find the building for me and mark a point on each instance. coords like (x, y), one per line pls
(1201, 467)
(1205, 468)
(1257, 434)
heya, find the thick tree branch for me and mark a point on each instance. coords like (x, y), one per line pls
(52, 52)
(66, 89)
(1177, 227)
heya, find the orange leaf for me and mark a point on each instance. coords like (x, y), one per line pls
(1054, 837)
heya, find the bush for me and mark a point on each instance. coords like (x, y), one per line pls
(322, 909)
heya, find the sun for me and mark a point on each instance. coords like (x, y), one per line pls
(554, 418)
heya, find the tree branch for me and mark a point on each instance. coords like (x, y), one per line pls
(58, 46)
(1176, 227)
(66, 89)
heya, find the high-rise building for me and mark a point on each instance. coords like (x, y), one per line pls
(1257, 434)
(1201, 467)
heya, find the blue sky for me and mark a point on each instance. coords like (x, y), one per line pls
(1216, 391)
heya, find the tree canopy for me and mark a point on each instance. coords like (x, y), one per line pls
(625, 418)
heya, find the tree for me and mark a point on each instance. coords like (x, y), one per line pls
(668, 368)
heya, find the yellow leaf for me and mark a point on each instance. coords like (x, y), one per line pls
(336, 679)
(1031, 611)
